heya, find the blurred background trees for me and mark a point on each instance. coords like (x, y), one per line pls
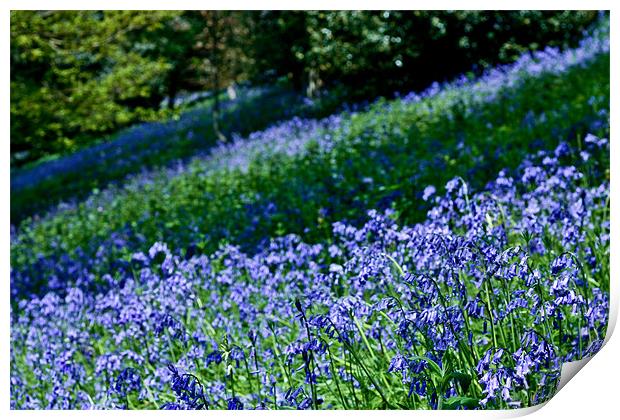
(77, 76)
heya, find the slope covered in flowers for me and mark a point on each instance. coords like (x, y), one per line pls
(445, 250)
(475, 307)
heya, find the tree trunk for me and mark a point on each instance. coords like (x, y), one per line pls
(216, 109)
(216, 63)
(172, 95)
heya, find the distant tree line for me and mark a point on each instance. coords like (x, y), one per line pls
(79, 75)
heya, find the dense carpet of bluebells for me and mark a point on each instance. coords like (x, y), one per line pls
(257, 277)
(478, 306)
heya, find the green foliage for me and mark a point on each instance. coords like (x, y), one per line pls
(77, 76)
(377, 53)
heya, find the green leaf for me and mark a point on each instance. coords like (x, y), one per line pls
(453, 403)
(462, 378)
